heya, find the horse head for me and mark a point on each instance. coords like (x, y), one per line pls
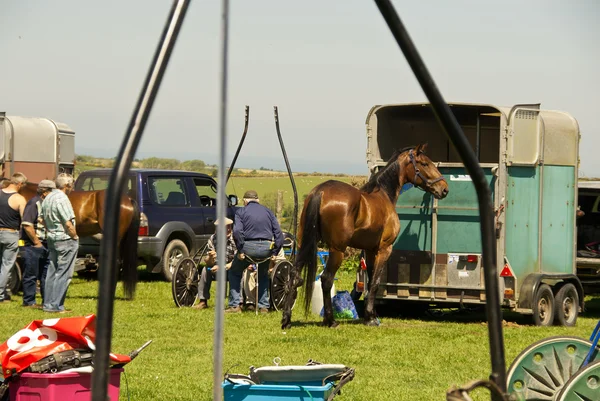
(423, 173)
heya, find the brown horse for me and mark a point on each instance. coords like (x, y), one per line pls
(89, 220)
(343, 216)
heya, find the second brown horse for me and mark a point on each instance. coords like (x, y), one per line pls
(343, 216)
(89, 220)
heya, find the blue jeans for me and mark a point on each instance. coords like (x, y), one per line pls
(62, 257)
(35, 268)
(257, 250)
(9, 248)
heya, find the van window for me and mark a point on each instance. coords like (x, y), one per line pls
(168, 191)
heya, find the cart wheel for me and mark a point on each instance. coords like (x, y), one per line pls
(566, 305)
(184, 283)
(280, 277)
(583, 385)
(541, 370)
(543, 306)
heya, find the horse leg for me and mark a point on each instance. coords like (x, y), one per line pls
(292, 289)
(333, 264)
(379, 259)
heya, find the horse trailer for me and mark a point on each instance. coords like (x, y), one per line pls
(530, 160)
(40, 148)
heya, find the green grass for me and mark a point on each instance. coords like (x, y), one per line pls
(404, 359)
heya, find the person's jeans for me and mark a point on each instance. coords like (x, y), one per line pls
(62, 257)
(35, 268)
(206, 279)
(257, 251)
(9, 248)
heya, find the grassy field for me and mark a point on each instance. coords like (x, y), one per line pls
(403, 359)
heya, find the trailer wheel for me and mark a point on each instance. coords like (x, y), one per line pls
(566, 305)
(543, 306)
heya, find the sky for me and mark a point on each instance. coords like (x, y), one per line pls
(323, 63)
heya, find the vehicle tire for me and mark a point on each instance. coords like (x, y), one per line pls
(543, 306)
(566, 305)
(174, 252)
(14, 279)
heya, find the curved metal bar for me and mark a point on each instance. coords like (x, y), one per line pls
(116, 186)
(287, 164)
(486, 211)
(237, 152)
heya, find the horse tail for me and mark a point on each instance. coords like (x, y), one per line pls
(129, 255)
(307, 254)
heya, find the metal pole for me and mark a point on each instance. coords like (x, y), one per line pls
(453, 130)
(478, 134)
(221, 209)
(237, 152)
(287, 164)
(116, 186)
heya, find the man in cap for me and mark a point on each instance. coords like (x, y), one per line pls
(12, 205)
(35, 246)
(257, 234)
(63, 243)
(209, 273)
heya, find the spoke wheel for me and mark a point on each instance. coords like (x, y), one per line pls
(583, 386)
(184, 283)
(541, 370)
(280, 289)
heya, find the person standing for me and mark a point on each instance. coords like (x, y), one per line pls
(12, 205)
(258, 238)
(63, 243)
(35, 248)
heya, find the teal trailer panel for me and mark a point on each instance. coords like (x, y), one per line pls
(414, 210)
(522, 219)
(558, 214)
(458, 229)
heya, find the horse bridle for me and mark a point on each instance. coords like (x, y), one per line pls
(428, 183)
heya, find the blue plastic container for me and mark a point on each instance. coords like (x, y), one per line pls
(266, 392)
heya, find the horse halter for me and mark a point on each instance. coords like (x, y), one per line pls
(428, 183)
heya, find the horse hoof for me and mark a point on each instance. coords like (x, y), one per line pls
(375, 322)
(331, 325)
(286, 326)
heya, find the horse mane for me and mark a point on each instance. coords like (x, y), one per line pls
(386, 179)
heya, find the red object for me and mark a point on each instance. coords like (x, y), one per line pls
(363, 264)
(60, 386)
(143, 231)
(472, 258)
(42, 338)
(506, 272)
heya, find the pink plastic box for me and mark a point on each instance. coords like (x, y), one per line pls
(60, 386)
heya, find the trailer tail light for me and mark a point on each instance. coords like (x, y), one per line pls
(469, 258)
(509, 293)
(506, 272)
(143, 231)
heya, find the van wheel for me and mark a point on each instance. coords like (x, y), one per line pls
(566, 303)
(175, 251)
(543, 306)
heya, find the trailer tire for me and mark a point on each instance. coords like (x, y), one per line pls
(566, 305)
(543, 306)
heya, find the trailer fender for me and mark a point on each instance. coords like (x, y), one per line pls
(532, 282)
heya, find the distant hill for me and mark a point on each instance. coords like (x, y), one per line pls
(86, 162)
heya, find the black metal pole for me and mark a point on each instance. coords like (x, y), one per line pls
(108, 246)
(453, 130)
(287, 164)
(237, 152)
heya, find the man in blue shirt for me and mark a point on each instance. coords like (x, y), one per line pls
(35, 246)
(258, 239)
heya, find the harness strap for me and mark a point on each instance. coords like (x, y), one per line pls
(428, 183)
